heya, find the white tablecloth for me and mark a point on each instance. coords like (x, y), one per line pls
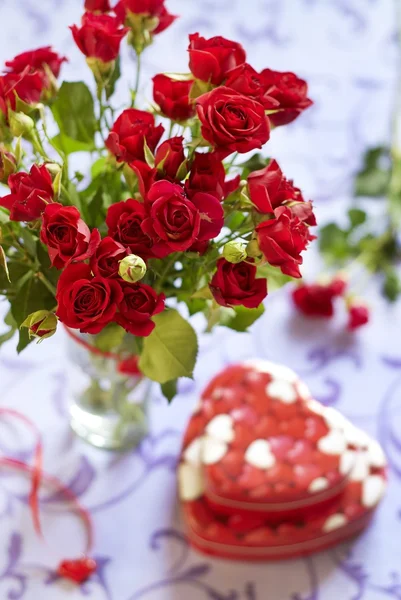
(346, 49)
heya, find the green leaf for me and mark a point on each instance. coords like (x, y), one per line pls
(275, 278)
(333, 242)
(74, 113)
(357, 217)
(4, 216)
(244, 317)
(171, 349)
(3, 263)
(169, 389)
(95, 209)
(374, 178)
(149, 156)
(392, 285)
(29, 239)
(110, 338)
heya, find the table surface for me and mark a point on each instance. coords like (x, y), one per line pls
(347, 51)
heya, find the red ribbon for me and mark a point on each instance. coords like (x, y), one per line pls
(77, 570)
(125, 365)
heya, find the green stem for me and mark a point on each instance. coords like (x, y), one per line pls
(165, 272)
(137, 79)
(46, 283)
(102, 110)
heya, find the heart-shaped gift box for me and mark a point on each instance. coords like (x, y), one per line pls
(268, 472)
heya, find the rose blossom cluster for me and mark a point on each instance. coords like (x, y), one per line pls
(318, 300)
(180, 189)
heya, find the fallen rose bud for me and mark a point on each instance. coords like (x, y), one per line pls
(132, 268)
(358, 315)
(235, 251)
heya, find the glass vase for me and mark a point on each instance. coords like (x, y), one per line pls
(109, 397)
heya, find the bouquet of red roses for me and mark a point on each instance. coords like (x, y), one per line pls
(159, 219)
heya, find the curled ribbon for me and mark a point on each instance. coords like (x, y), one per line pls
(76, 570)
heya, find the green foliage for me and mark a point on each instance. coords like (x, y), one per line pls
(374, 178)
(171, 349)
(243, 317)
(169, 390)
(110, 338)
(392, 285)
(74, 113)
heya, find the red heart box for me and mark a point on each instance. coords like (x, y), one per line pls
(267, 472)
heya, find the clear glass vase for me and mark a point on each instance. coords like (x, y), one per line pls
(109, 398)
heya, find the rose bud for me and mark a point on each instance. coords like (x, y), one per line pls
(358, 315)
(30, 193)
(289, 91)
(144, 17)
(21, 124)
(129, 132)
(211, 60)
(132, 268)
(235, 251)
(41, 324)
(172, 95)
(170, 159)
(8, 165)
(99, 37)
(101, 6)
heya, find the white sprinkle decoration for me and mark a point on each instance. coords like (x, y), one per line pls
(318, 485)
(259, 455)
(282, 390)
(372, 490)
(376, 456)
(213, 450)
(192, 453)
(190, 482)
(315, 407)
(303, 390)
(334, 419)
(347, 461)
(355, 436)
(221, 428)
(332, 443)
(335, 522)
(361, 469)
(277, 371)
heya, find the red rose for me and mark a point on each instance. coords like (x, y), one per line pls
(291, 93)
(210, 60)
(37, 60)
(105, 261)
(175, 222)
(30, 193)
(85, 302)
(172, 96)
(124, 221)
(358, 315)
(102, 6)
(146, 176)
(127, 137)
(316, 300)
(28, 86)
(245, 80)
(232, 122)
(99, 36)
(66, 236)
(304, 211)
(170, 157)
(207, 174)
(237, 284)
(269, 189)
(137, 307)
(148, 8)
(282, 240)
